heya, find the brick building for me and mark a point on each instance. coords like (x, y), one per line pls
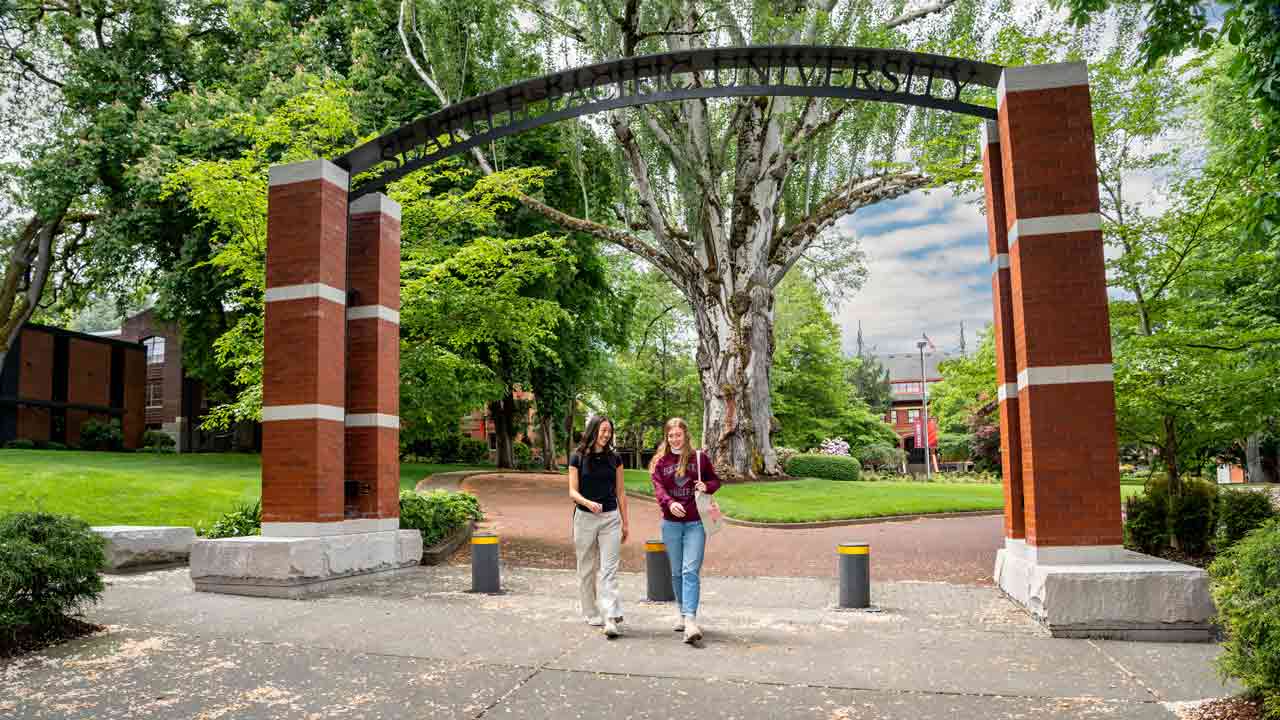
(55, 380)
(906, 395)
(174, 402)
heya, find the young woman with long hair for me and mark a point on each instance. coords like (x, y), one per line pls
(677, 472)
(599, 523)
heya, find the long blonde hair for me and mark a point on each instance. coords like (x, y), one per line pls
(662, 447)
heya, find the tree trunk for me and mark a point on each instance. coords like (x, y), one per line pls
(1253, 459)
(568, 426)
(548, 431)
(1169, 450)
(735, 355)
(502, 412)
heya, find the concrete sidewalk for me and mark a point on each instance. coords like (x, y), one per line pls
(418, 645)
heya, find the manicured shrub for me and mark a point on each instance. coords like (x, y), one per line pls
(1191, 516)
(1239, 512)
(243, 521)
(20, 444)
(880, 455)
(472, 451)
(51, 445)
(523, 455)
(1146, 523)
(827, 467)
(438, 513)
(1245, 582)
(98, 435)
(48, 569)
(155, 439)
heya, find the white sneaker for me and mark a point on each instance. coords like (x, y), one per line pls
(595, 621)
(679, 624)
(611, 628)
(692, 633)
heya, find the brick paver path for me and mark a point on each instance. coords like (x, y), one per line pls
(532, 514)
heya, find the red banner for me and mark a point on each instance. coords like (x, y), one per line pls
(918, 424)
(933, 433)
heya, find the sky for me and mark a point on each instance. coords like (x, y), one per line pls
(928, 272)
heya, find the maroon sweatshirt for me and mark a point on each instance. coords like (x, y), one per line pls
(668, 488)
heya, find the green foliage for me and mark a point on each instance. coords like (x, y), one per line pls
(523, 455)
(1245, 583)
(20, 444)
(48, 569)
(785, 454)
(437, 514)
(1191, 516)
(99, 435)
(471, 450)
(243, 521)
(1239, 513)
(1146, 523)
(968, 383)
(826, 467)
(880, 455)
(54, 446)
(157, 439)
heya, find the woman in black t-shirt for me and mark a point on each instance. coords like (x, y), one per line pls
(599, 523)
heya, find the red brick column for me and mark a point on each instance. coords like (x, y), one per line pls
(304, 361)
(373, 359)
(1006, 358)
(1066, 402)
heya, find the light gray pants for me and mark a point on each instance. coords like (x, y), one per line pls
(597, 540)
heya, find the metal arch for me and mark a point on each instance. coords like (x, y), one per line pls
(897, 76)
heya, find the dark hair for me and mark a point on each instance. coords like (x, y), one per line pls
(588, 441)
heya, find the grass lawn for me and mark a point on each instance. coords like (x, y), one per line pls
(811, 500)
(141, 489)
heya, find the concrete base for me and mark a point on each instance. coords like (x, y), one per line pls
(136, 546)
(296, 566)
(1107, 592)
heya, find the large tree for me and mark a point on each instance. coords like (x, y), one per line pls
(728, 196)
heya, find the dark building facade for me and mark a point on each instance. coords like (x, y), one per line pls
(175, 403)
(55, 380)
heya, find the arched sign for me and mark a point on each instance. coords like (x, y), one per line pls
(897, 76)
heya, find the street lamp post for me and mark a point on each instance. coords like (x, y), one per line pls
(924, 404)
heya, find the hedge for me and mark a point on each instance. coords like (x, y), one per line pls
(826, 467)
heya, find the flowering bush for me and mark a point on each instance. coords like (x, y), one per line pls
(834, 446)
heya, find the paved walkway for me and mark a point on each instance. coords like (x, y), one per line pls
(416, 644)
(533, 513)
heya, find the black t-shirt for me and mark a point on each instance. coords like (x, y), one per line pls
(598, 478)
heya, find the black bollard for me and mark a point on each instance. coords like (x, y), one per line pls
(484, 564)
(855, 575)
(658, 572)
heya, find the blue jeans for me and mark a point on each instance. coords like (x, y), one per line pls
(685, 543)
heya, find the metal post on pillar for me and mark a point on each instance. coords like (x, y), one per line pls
(855, 575)
(485, 575)
(657, 570)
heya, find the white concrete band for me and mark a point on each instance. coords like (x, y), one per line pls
(1040, 77)
(990, 133)
(370, 312)
(1007, 391)
(306, 290)
(374, 420)
(1065, 374)
(307, 171)
(1000, 262)
(375, 203)
(1053, 225)
(324, 529)
(277, 413)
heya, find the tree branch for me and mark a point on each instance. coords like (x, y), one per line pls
(925, 11)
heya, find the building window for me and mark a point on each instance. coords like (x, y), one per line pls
(912, 415)
(906, 387)
(155, 350)
(155, 394)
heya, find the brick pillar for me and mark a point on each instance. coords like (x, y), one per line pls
(1006, 353)
(304, 356)
(1066, 402)
(373, 359)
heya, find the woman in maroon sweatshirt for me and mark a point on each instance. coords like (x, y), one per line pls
(678, 472)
